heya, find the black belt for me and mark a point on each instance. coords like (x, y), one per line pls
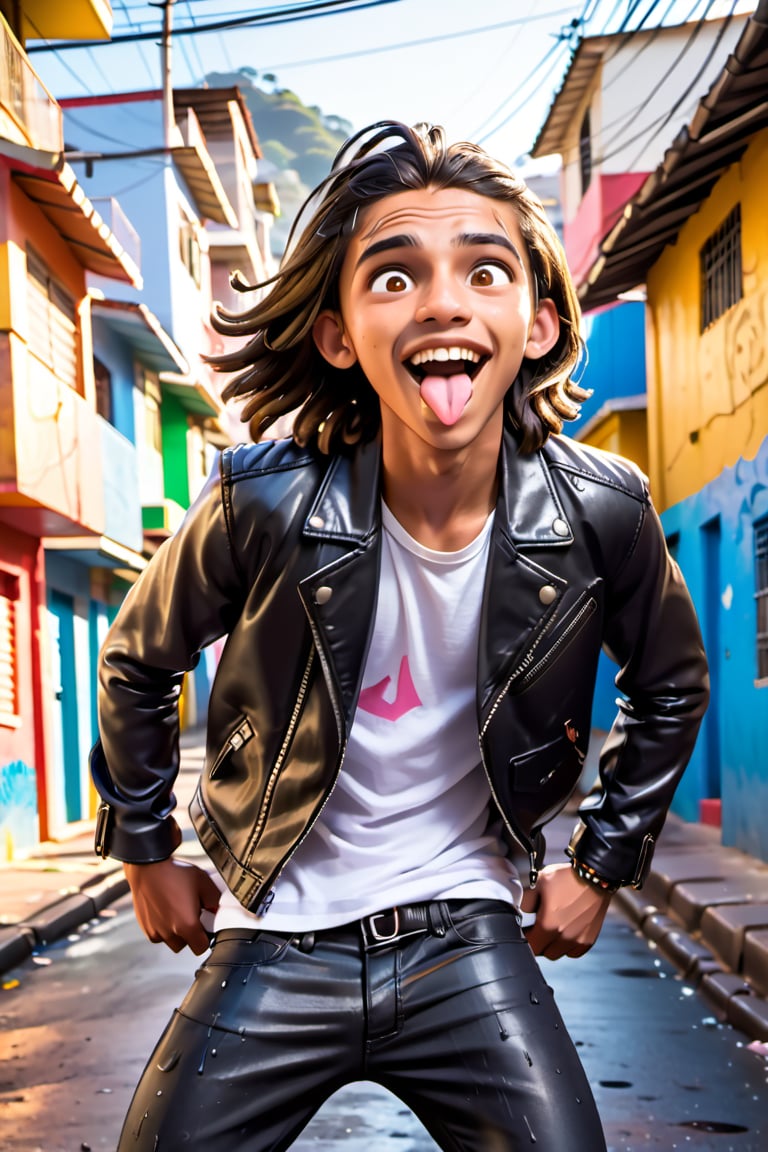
(387, 928)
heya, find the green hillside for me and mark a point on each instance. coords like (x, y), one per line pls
(291, 133)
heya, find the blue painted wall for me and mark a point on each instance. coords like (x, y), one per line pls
(616, 366)
(713, 536)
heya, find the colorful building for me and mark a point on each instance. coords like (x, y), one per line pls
(694, 234)
(56, 451)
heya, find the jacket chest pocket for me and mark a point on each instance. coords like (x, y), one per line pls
(234, 742)
(555, 641)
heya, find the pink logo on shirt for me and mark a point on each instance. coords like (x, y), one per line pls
(406, 698)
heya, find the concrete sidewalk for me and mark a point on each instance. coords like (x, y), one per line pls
(705, 907)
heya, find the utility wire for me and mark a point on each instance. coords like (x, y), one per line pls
(656, 126)
(706, 62)
(280, 16)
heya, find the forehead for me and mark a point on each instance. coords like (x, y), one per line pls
(433, 210)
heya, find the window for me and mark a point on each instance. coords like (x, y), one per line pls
(52, 332)
(720, 269)
(103, 380)
(189, 249)
(9, 596)
(761, 597)
(585, 152)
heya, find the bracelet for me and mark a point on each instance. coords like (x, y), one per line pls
(584, 872)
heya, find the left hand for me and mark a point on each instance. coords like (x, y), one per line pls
(569, 913)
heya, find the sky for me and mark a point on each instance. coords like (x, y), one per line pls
(486, 70)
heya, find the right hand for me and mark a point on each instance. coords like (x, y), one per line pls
(168, 898)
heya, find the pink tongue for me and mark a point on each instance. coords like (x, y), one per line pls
(447, 396)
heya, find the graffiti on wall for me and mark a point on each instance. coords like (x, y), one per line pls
(733, 358)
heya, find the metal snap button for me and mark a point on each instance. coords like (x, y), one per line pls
(560, 528)
(316, 522)
(323, 594)
(547, 593)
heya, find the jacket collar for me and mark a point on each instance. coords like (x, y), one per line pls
(529, 511)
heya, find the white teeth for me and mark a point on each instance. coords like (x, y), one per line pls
(443, 354)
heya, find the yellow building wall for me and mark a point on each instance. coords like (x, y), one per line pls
(624, 433)
(707, 394)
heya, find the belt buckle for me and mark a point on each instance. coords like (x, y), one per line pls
(371, 934)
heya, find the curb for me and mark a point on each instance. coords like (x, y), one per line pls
(733, 1000)
(58, 919)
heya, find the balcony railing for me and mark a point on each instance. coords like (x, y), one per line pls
(25, 97)
(119, 225)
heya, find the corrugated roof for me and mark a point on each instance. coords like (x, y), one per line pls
(211, 109)
(577, 79)
(48, 181)
(734, 109)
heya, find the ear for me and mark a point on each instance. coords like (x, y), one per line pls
(544, 332)
(331, 340)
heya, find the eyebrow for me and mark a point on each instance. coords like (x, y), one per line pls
(464, 240)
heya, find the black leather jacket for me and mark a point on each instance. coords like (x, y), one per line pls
(280, 554)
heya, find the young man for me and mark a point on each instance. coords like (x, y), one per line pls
(415, 590)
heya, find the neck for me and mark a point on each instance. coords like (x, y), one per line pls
(441, 497)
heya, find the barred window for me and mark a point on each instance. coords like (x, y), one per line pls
(720, 269)
(9, 597)
(761, 597)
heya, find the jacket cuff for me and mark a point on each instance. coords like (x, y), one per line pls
(620, 868)
(137, 846)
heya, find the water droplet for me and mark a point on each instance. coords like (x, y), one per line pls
(534, 998)
(201, 1065)
(224, 983)
(159, 1092)
(530, 1130)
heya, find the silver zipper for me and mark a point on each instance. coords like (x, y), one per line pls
(519, 670)
(342, 752)
(587, 610)
(277, 766)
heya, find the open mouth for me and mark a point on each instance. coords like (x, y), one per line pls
(444, 377)
(445, 362)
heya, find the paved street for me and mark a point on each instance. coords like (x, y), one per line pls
(77, 1026)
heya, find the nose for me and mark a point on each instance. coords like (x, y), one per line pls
(444, 301)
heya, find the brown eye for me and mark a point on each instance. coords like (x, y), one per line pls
(489, 276)
(391, 280)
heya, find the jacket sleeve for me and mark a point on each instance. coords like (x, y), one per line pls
(652, 633)
(186, 597)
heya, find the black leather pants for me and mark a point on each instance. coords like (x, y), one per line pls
(456, 1020)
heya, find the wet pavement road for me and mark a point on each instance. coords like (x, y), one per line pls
(78, 1021)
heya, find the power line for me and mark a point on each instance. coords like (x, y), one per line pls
(559, 42)
(278, 16)
(378, 48)
(707, 60)
(656, 126)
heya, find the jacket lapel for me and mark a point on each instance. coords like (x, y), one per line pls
(340, 596)
(521, 594)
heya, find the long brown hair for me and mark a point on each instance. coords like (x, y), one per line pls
(279, 369)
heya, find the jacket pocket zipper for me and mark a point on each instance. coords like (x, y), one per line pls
(562, 642)
(241, 735)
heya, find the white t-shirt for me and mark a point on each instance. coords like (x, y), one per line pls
(409, 817)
